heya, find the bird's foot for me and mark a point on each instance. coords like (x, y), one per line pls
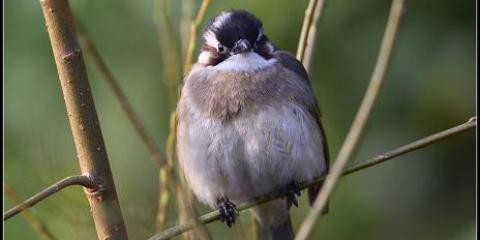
(290, 193)
(228, 211)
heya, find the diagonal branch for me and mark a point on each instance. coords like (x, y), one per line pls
(421, 143)
(167, 177)
(135, 120)
(68, 181)
(360, 121)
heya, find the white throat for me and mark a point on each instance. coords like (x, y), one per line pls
(250, 61)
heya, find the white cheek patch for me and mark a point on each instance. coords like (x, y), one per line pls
(204, 57)
(244, 62)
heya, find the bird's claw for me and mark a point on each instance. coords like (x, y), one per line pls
(290, 193)
(228, 211)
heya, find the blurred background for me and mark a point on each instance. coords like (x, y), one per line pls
(427, 194)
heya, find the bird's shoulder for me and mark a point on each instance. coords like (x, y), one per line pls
(289, 61)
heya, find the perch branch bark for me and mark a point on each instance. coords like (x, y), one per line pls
(83, 119)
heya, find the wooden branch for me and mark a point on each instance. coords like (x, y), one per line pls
(83, 119)
(421, 143)
(68, 181)
(192, 39)
(358, 125)
(307, 45)
(135, 120)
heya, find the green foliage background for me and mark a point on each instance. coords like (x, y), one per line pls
(428, 194)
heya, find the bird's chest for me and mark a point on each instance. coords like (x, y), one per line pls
(228, 95)
(246, 134)
(258, 150)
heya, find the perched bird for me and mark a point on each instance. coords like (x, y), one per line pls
(248, 123)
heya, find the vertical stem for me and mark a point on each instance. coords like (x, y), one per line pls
(193, 35)
(170, 54)
(254, 227)
(311, 35)
(307, 21)
(170, 49)
(186, 208)
(163, 200)
(361, 119)
(83, 119)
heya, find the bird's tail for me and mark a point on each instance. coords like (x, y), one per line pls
(312, 195)
(275, 218)
(282, 232)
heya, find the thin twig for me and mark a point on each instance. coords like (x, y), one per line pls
(83, 119)
(140, 128)
(254, 227)
(192, 40)
(36, 223)
(163, 200)
(240, 229)
(170, 53)
(311, 35)
(187, 210)
(68, 181)
(166, 179)
(421, 143)
(358, 125)
(170, 49)
(186, 15)
(307, 22)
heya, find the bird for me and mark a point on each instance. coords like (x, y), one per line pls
(248, 124)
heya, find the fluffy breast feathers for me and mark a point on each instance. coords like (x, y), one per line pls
(247, 133)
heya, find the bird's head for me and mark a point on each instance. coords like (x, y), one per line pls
(232, 33)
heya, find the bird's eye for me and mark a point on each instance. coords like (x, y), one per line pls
(222, 49)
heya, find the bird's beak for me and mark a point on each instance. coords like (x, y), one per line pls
(241, 46)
